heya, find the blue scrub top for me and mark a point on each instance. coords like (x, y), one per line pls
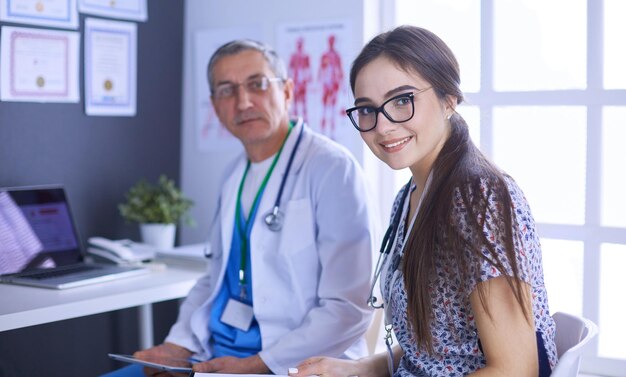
(226, 340)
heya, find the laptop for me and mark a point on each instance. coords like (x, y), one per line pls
(39, 243)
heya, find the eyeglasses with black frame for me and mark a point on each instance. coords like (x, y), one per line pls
(398, 109)
(253, 85)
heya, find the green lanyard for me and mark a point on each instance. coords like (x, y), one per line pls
(245, 228)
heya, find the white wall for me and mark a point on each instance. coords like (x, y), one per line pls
(201, 171)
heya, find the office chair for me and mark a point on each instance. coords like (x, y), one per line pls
(573, 334)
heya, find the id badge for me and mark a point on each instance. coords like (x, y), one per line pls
(238, 315)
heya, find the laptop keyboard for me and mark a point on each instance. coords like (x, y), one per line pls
(59, 272)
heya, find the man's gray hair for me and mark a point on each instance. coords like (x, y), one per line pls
(277, 65)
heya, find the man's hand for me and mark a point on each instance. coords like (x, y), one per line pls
(165, 350)
(234, 365)
(161, 353)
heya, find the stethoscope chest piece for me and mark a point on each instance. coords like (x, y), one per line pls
(275, 219)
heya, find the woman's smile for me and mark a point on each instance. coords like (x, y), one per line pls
(395, 145)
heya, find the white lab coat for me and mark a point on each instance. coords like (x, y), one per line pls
(311, 279)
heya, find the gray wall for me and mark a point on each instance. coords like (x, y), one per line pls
(97, 159)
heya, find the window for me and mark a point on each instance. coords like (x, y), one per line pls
(543, 148)
(613, 163)
(614, 52)
(532, 51)
(547, 101)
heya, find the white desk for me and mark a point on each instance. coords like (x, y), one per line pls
(22, 306)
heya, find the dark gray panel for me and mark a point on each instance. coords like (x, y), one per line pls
(97, 159)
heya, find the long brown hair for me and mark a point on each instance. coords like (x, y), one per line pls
(460, 172)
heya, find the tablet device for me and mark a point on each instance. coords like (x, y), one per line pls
(160, 363)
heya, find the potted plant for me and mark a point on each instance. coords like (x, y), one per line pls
(157, 208)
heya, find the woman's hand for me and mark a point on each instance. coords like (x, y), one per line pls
(329, 367)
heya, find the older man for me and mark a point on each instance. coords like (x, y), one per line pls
(292, 243)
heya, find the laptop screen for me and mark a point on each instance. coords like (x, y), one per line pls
(36, 230)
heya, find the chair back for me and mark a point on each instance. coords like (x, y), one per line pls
(573, 334)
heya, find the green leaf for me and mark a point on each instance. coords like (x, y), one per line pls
(163, 202)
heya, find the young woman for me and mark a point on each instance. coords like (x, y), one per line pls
(462, 277)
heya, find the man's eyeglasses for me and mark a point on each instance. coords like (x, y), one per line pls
(254, 85)
(398, 109)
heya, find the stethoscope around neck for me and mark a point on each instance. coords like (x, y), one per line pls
(386, 247)
(275, 218)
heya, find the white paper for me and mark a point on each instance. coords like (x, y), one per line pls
(110, 67)
(124, 9)
(194, 251)
(39, 65)
(210, 134)
(54, 13)
(197, 374)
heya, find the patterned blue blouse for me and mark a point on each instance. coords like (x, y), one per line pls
(455, 340)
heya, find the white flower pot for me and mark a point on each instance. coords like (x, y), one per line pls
(161, 236)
